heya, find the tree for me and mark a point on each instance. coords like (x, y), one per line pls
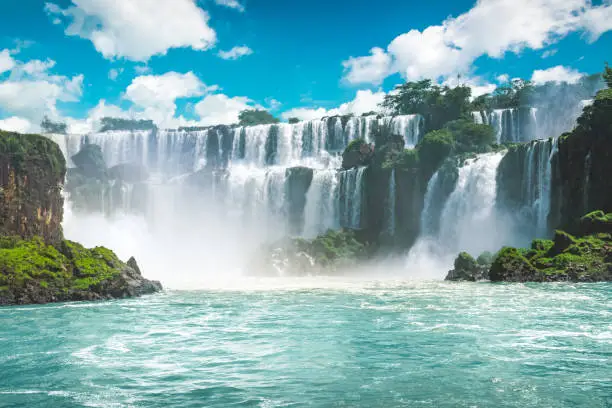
(293, 120)
(437, 104)
(470, 136)
(435, 147)
(607, 75)
(512, 95)
(252, 117)
(108, 124)
(48, 126)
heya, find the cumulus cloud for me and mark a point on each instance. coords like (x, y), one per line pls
(31, 91)
(16, 124)
(220, 109)
(6, 61)
(235, 53)
(231, 4)
(556, 74)
(136, 29)
(114, 73)
(371, 69)
(491, 28)
(364, 101)
(156, 95)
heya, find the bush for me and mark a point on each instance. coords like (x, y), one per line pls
(435, 147)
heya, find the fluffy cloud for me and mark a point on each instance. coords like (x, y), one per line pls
(491, 27)
(231, 4)
(373, 68)
(365, 101)
(556, 74)
(6, 61)
(156, 95)
(136, 29)
(220, 109)
(16, 124)
(236, 52)
(30, 92)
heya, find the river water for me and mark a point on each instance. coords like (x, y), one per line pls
(316, 343)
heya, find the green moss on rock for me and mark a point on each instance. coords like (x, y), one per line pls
(32, 271)
(581, 258)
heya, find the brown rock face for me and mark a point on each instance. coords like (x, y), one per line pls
(32, 171)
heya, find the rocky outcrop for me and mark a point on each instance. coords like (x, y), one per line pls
(32, 171)
(357, 153)
(331, 253)
(581, 172)
(298, 182)
(469, 269)
(95, 188)
(36, 264)
(581, 258)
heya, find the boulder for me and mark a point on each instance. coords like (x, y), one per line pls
(511, 266)
(90, 161)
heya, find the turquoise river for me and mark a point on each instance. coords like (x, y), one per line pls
(309, 343)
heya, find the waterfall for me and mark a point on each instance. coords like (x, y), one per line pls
(537, 185)
(427, 214)
(468, 221)
(351, 198)
(321, 203)
(468, 217)
(241, 171)
(391, 203)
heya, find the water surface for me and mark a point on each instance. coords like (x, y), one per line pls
(316, 344)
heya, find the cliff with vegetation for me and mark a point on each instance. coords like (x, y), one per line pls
(37, 265)
(581, 249)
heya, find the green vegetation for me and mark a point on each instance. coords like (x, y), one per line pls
(252, 117)
(27, 152)
(332, 248)
(293, 120)
(607, 75)
(585, 257)
(32, 271)
(32, 263)
(437, 104)
(49, 126)
(108, 124)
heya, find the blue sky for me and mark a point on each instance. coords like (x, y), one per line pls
(79, 60)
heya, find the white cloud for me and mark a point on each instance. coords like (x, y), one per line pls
(273, 104)
(114, 73)
(16, 124)
(503, 78)
(549, 53)
(231, 4)
(556, 74)
(236, 52)
(6, 61)
(136, 29)
(371, 69)
(220, 109)
(142, 69)
(156, 95)
(365, 101)
(491, 27)
(30, 92)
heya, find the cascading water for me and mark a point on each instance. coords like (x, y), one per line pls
(350, 198)
(321, 211)
(468, 221)
(228, 184)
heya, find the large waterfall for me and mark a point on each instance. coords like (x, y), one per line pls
(229, 188)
